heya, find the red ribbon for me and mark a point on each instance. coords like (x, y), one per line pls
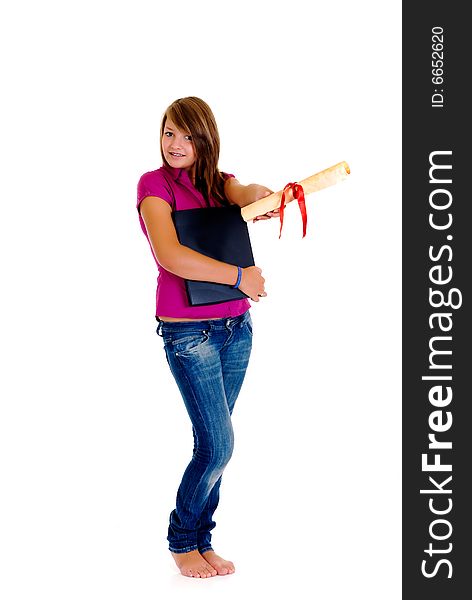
(298, 194)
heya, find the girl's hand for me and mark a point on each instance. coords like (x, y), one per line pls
(254, 192)
(258, 192)
(252, 283)
(242, 195)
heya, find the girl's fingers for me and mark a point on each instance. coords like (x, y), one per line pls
(268, 215)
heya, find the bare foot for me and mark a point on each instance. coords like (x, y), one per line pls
(192, 564)
(224, 567)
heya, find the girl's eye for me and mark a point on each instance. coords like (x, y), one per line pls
(168, 133)
(188, 138)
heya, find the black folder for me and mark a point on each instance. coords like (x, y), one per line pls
(219, 233)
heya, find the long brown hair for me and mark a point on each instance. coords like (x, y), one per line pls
(195, 116)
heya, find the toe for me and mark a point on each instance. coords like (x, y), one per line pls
(201, 571)
(229, 567)
(212, 571)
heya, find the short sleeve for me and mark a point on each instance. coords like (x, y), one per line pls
(154, 183)
(227, 175)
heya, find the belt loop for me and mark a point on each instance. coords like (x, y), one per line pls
(159, 327)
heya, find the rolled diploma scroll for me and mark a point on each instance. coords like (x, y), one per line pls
(316, 182)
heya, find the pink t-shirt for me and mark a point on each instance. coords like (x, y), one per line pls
(172, 184)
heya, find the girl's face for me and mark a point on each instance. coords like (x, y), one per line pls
(178, 147)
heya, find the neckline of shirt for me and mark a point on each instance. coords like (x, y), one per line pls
(177, 173)
(181, 176)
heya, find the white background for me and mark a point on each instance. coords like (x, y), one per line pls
(94, 434)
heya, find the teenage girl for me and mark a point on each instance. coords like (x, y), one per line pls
(207, 347)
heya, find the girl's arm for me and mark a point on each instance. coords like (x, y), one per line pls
(187, 263)
(242, 195)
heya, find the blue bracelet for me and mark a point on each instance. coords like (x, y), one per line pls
(238, 281)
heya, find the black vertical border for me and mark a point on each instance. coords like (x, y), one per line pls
(427, 129)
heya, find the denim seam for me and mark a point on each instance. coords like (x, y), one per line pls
(231, 332)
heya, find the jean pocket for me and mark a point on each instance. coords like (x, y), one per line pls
(187, 344)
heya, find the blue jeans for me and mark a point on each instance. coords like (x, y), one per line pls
(208, 360)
